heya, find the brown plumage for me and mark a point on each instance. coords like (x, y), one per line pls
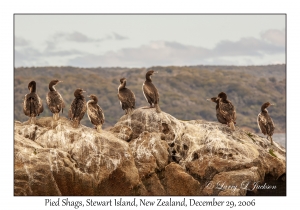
(126, 97)
(265, 122)
(95, 113)
(33, 104)
(77, 108)
(54, 100)
(220, 118)
(150, 92)
(227, 110)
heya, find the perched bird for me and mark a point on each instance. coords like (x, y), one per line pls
(126, 97)
(32, 105)
(77, 108)
(95, 113)
(54, 100)
(150, 92)
(220, 118)
(265, 122)
(227, 110)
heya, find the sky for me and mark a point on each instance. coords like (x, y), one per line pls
(148, 40)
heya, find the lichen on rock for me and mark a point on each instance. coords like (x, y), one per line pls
(145, 153)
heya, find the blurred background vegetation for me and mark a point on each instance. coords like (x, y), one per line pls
(183, 90)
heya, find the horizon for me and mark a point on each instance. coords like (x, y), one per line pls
(154, 66)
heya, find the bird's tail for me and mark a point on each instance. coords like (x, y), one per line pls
(55, 116)
(99, 128)
(158, 110)
(231, 124)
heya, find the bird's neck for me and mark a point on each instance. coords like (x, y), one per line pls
(122, 85)
(52, 88)
(33, 89)
(264, 110)
(148, 78)
(79, 97)
(225, 100)
(94, 101)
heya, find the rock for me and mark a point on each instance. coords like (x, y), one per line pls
(145, 153)
(233, 182)
(153, 185)
(122, 132)
(72, 161)
(150, 153)
(180, 183)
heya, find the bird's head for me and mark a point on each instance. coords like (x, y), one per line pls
(54, 82)
(122, 80)
(266, 105)
(32, 86)
(93, 97)
(150, 73)
(222, 95)
(79, 93)
(213, 99)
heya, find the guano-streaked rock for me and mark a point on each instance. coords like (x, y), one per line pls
(145, 153)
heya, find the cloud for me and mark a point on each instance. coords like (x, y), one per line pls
(246, 51)
(156, 53)
(274, 36)
(55, 46)
(19, 41)
(119, 37)
(82, 38)
(173, 53)
(246, 46)
(176, 45)
(79, 37)
(26, 57)
(73, 37)
(50, 45)
(30, 56)
(62, 53)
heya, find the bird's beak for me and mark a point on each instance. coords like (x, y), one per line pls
(272, 104)
(83, 91)
(208, 99)
(60, 81)
(156, 72)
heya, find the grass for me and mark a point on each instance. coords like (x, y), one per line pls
(272, 152)
(250, 136)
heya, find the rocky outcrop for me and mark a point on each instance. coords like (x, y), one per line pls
(76, 161)
(146, 153)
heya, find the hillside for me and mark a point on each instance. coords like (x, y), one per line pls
(183, 90)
